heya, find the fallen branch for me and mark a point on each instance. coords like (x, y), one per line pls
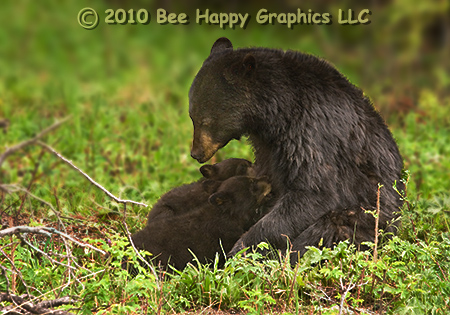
(349, 288)
(25, 143)
(23, 303)
(128, 235)
(10, 188)
(14, 271)
(49, 148)
(48, 231)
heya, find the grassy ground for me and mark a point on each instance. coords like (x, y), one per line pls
(125, 88)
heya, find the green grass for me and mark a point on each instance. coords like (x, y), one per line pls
(125, 88)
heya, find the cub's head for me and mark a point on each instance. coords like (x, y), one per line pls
(219, 99)
(227, 168)
(239, 197)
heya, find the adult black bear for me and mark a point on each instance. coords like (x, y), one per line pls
(316, 137)
(190, 196)
(232, 207)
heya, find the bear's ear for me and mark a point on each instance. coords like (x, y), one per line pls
(220, 45)
(261, 188)
(208, 171)
(244, 168)
(249, 63)
(210, 186)
(219, 199)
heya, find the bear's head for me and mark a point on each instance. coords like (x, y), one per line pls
(227, 168)
(219, 98)
(239, 197)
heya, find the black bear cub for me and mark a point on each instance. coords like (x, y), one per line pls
(190, 196)
(227, 168)
(232, 207)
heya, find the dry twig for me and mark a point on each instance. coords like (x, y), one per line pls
(49, 148)
(23, 305)
(344, 295)
(128, 234)
(48, 231)
(25, 143)
(10, 188)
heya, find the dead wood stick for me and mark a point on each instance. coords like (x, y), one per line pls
(46, 231)
(49, 148)
(25, 143)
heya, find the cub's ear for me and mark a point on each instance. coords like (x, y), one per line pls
(208, 171)
(244, 168)
(249, 63)
(261, 188)
(219, 198)
(210, 186)
(220, 45)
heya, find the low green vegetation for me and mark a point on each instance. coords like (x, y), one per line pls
(125, 90)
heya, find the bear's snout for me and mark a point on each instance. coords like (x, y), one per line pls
(203, 146)
(198, 154)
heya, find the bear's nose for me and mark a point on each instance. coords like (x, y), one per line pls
(197, 155)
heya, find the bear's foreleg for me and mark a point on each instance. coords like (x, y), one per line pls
(292, 214)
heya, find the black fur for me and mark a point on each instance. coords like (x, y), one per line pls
(315, 135)
(216, 223)
(191, 196)
(226, 169)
